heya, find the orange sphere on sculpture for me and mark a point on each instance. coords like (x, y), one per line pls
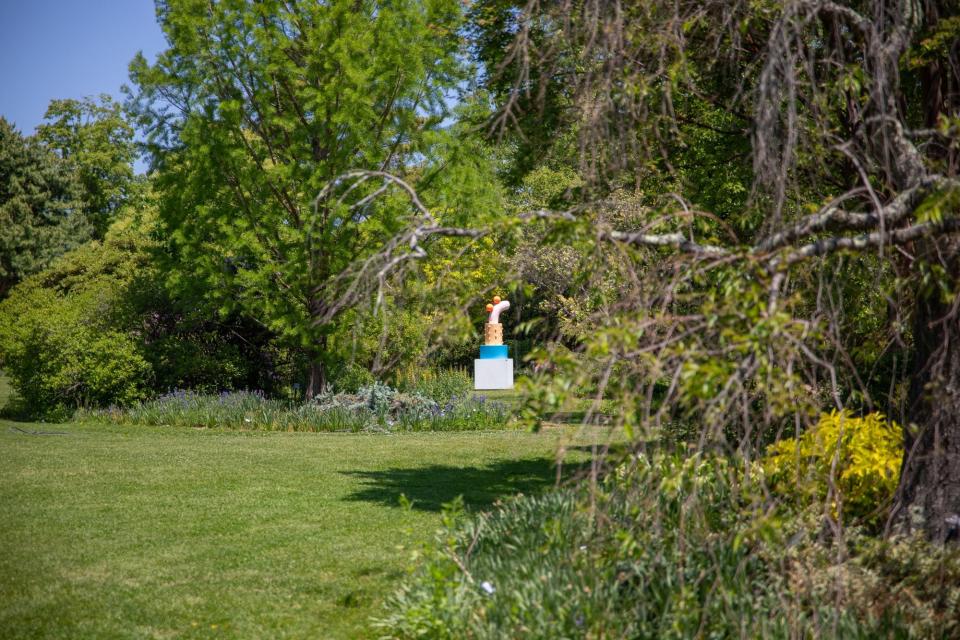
(496, 299)
(489, 308)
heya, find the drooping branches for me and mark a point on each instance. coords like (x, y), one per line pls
(849, 110)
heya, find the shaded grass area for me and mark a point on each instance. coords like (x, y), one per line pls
(151, 532)
(430, 487)
(6, 391)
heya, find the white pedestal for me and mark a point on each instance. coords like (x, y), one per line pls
(493, 374)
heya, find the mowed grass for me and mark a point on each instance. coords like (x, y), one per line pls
(158, 532)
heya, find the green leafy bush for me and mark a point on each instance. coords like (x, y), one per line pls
(62, 337)
(661, 550)
(897, 587)
(98, 327)
(351, 376)
(859, 457)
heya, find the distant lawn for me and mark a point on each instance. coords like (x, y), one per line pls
(150, 532)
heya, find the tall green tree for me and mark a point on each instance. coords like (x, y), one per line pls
(41, 214)
(255, 108)
(96, 141)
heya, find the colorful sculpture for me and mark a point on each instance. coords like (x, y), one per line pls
(494, 368)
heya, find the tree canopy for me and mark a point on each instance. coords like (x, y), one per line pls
(254, 112)
(41, 212)
(95, 140)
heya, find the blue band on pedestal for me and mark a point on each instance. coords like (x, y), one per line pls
(493, 352)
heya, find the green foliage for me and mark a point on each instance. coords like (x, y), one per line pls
(669, 558)
(852, 462)
(65, 335)
(352, 376)
(279, 99)
(95, 140)
(666, 547)
(40, 212)
(381, 341)
(98, 327)
(438, 385)
(374, 407)
(898, 587)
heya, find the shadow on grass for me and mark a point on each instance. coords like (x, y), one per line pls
(430, 487)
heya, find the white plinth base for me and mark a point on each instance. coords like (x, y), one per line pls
(493, 374)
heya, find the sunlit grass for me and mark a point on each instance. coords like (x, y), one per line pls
(146, 532)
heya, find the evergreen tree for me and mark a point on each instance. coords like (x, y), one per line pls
(41, 215)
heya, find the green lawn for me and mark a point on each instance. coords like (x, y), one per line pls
(143, 532)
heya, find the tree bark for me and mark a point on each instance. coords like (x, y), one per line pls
(317, 379)
(929, 493)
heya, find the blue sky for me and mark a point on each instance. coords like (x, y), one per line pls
(68, 49)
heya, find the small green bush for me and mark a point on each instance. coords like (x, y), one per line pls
(351, 377)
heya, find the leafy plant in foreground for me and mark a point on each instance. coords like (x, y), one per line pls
(669, 547)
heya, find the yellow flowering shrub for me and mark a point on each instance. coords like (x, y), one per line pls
(861, 455)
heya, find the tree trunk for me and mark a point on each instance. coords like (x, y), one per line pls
(929, 493)
(317, 380)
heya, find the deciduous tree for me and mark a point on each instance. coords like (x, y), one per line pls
(95, 140)
(258, 107)
(752, 318)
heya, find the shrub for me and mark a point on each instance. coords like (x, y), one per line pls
(98, 327)
(860, 457)
(378, 342)
(64, 350)
(901, 587)
(350, 377)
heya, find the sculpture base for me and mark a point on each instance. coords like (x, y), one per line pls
(493, 374)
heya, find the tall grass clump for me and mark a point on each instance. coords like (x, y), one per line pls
(666, 547)
(548, 567)
(373, 407)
